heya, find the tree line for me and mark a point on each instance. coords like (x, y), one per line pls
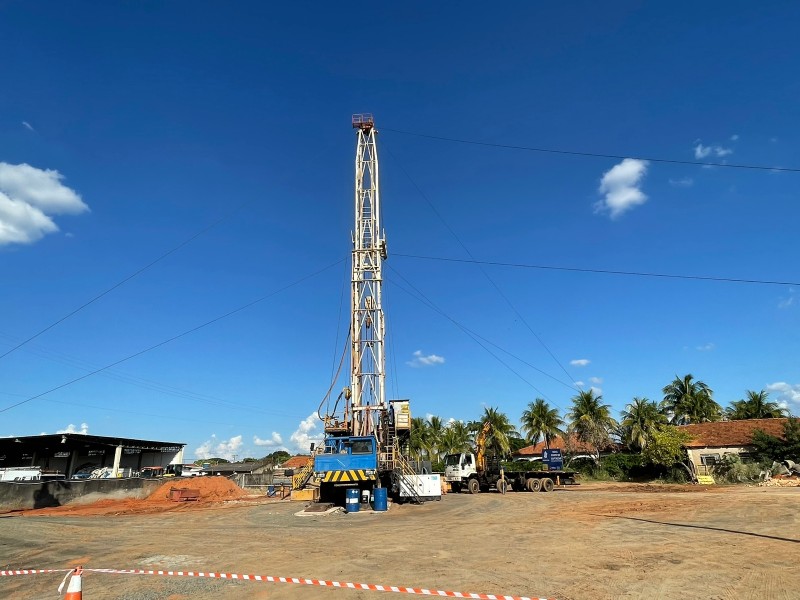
(645, 425)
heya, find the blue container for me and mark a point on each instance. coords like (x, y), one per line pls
(380, 499)
(351, 500)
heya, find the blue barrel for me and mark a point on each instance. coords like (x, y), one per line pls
(351, 500)
(379, 499)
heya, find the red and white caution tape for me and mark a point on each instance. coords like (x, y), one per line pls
(269, 578)
(33, 572)
(318, 582)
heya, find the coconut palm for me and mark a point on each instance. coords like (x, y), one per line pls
(456, 438)
(687, 400)
(591, 421)
(755, 406)
(500, 430)
(420, 435)
(639, 420)
(539, 421)
(435, 432)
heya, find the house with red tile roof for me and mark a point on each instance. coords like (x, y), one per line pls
(711, 441)
(296, 462)
(576, 447)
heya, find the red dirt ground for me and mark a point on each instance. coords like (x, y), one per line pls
(212, 490)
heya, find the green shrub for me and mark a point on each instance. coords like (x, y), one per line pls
(731, 469)
(620, 466)
(677, 475)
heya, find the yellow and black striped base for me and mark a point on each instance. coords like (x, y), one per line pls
(346, 476)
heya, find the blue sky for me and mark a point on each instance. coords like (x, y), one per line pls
(144, 124)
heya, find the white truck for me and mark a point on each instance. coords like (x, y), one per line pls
(473, 473)
(462, 473)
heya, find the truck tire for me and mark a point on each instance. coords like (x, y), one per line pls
(502, 486)
(547, 485)
(534, 484)
(473, 486)
(455, 487)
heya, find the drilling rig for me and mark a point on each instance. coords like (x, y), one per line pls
(365, 435)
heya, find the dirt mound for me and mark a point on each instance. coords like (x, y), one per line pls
(211, 489)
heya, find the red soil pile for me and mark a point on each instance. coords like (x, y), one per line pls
(211, 489)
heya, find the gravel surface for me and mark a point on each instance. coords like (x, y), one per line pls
(592, 542)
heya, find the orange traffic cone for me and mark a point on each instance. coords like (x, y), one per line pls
(74, 591)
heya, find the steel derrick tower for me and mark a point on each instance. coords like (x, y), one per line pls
(367, 328)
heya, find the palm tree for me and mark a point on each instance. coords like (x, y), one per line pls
(755, 406)
(590, 420)
(639, 420)
(435, 432)
(420, 435)
(501, 429)
(539, 421)
(689, 401)
(456, 438)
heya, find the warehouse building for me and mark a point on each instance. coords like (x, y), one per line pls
(77, 455)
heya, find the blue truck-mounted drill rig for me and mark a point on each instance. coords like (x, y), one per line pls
(365, 435)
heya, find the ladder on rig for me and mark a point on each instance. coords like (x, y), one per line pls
(301, 479)
(402, 473)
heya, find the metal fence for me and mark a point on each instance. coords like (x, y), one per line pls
(262, 482)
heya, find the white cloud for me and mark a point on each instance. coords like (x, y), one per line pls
(705, 347)
(596, 380)
(28, 126)
(620, 184)
(273, 441)
(701, 151)
(306, 434)
(788, 300)
(84, 429)
(580, 384)
(580, 362)
(28, 198)
(425, 361)
(735, 137)
(597, 391)
(684, 182)
(219, 449)
(785, 392)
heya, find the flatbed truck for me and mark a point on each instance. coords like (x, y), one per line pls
(462, 474)
(473, 473)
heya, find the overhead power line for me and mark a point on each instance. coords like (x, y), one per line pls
(173, 338)
(133, 275)
(140, 382)
(601, 271)
(695, 163)
(485, 274)
(421, 297)
(125, 280)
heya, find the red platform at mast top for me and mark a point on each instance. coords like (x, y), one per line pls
(363, 121)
